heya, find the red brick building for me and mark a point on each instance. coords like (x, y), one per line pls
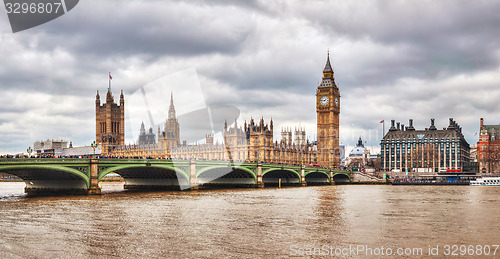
(488, 149)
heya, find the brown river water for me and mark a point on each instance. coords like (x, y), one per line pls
(345, 220)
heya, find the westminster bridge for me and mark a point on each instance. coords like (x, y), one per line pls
(62, 175)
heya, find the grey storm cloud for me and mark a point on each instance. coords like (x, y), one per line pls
(392, 60)
(434, 38)
(152, 29)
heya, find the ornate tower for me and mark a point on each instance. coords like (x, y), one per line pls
(172, 132)
(110, 122)
(328, 111)
(260, 140)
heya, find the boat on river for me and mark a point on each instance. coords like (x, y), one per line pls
(442, 179)
(486, 181)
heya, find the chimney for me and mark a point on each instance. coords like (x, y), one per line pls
(432, 125)
(452, 124)
(411, 125)
(397, 126)
(482, 122)
(392, 126)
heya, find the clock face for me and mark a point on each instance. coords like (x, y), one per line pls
(337, 101)
(323, 101)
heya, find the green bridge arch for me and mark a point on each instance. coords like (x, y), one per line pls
(343, 174)
(307, 172)
(242, 168)
(268, 170)
(84, 176)
(126, 166)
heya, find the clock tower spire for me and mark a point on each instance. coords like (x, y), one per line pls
(328, 113)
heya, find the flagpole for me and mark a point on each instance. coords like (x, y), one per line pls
(109, 81)
(383, 128)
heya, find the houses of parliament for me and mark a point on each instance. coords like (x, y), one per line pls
(252, 141)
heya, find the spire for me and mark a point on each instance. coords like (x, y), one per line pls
(171, 109)
(97, 99)
(122, 100)
(143, 130)
(328, 66)
(328, 77)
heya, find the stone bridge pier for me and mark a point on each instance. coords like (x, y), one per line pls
(94, 187)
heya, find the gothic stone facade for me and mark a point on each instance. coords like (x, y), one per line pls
(146, 138)
(169, 139)
(405, 149)
(252, 142)
(110, 122)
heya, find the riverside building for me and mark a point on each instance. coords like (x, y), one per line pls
(488, 148)
(405, 149)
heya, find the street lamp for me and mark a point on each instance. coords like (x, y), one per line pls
(93, 145)
(29, 150)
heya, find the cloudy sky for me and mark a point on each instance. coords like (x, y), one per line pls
(392, 60)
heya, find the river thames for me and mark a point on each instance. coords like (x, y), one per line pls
(251, 223)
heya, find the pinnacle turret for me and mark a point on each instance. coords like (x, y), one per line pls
(122, 100)
(171, 109)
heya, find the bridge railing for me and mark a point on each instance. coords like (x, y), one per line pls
(44, 160)
(160, 161)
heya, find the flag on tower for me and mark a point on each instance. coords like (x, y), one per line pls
(109, 82)
(382, 121)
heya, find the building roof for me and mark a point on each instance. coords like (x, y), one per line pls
(328, 75)
(453, 131)
(492, 130)
(81, 151)
(359, 149)
(328, 66)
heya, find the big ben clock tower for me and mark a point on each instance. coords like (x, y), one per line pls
(328, 111)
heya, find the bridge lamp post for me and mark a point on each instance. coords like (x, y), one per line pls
(29, 150)
(93, 145)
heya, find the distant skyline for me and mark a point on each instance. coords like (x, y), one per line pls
(392, 60)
